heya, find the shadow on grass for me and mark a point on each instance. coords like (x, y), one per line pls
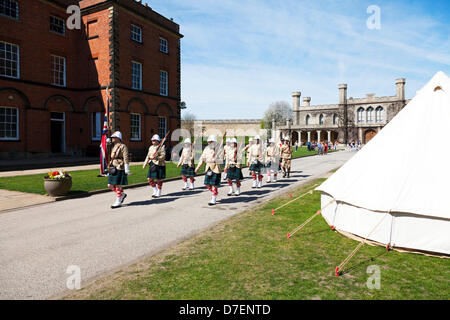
(364, 262)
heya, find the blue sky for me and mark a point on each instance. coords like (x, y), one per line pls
(239, 56)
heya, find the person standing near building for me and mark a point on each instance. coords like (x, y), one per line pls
(286, 156)
(119, 168)
(212, 169)
(234, 172)
(255, 159)
(156, 159)
(308, 145)
(187, 165)
(296, 146)
(272, 161)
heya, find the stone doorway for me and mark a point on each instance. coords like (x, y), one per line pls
(369, 135)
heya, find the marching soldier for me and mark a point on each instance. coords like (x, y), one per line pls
(225, 150)
(187, 165)
(255, 160)
(212, 169)
(286, 156)
(118, 168)
(233, 167)
(156, 159)
(272, 161)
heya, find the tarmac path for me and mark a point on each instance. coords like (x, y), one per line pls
(38, 244)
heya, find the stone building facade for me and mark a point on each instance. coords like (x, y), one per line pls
(54, 80)
(248, 127)
(351, 119)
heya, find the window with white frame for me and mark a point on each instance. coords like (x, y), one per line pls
(136, 33)
(163, 83)
(360, 115)
(9, 123)
(135, 126)
(9, 8)
(163, 45)
(97, 126)
(57, 25)
(9, 60)
(58, 71)
(379, 114)
(162, 126)
(136, 75)
(370, 115)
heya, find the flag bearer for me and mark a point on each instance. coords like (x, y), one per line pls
(255, 159)
(234, 172)
(272, 161)
(212, 169)
(156, 159)
(119, 167)
(286, 156)
(187, 165)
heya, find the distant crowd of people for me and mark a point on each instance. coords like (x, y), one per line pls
(322, 146)
(354, 146)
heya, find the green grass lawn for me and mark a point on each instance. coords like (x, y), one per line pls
(87, 180)
(249, 257)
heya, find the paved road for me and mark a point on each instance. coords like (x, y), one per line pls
(38, 244)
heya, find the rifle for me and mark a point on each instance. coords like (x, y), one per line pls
(218, 147)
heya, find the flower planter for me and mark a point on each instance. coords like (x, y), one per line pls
(58, 187)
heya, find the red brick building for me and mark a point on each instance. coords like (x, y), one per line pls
(53, 80)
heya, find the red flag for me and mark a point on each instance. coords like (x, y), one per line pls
(103, 149)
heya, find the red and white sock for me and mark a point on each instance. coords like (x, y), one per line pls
(119, 191)
(152, 183)
(214, 190)
(160, 183)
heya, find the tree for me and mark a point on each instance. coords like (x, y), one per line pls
(279, 111)
(188, 121)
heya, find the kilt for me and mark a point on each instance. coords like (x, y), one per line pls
(213, 180)
(273, 166)
(189, 172)
(256, 166)
(119, 179)
(235, 174)
(159, 173)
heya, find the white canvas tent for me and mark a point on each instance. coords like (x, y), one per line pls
(399, 183)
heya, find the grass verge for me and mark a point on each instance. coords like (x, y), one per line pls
(249, 257)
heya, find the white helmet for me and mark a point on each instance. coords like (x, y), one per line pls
(212, 138)
(233, 140)
(228, 140)
(286, 139)
(187, 140)
(117, 134)
(156, 137)
(250, 139)
(272, 140)
(257, 138)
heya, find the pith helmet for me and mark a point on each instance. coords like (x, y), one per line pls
(156, 137)
(212, 138)
(117, 134)
(187, 140)
(257, 138)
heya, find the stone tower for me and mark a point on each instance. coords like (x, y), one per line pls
(296, 106)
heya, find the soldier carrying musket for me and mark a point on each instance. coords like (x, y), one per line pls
(233, 167)
(118, 168)
(187, 164)
(156, 158)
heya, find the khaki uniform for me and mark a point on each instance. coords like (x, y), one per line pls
(119, 156)
(255, 153)
(208, 157)
(271, 154)
(230, 158)
(160, 157)
(286, 156)
(187, 157)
